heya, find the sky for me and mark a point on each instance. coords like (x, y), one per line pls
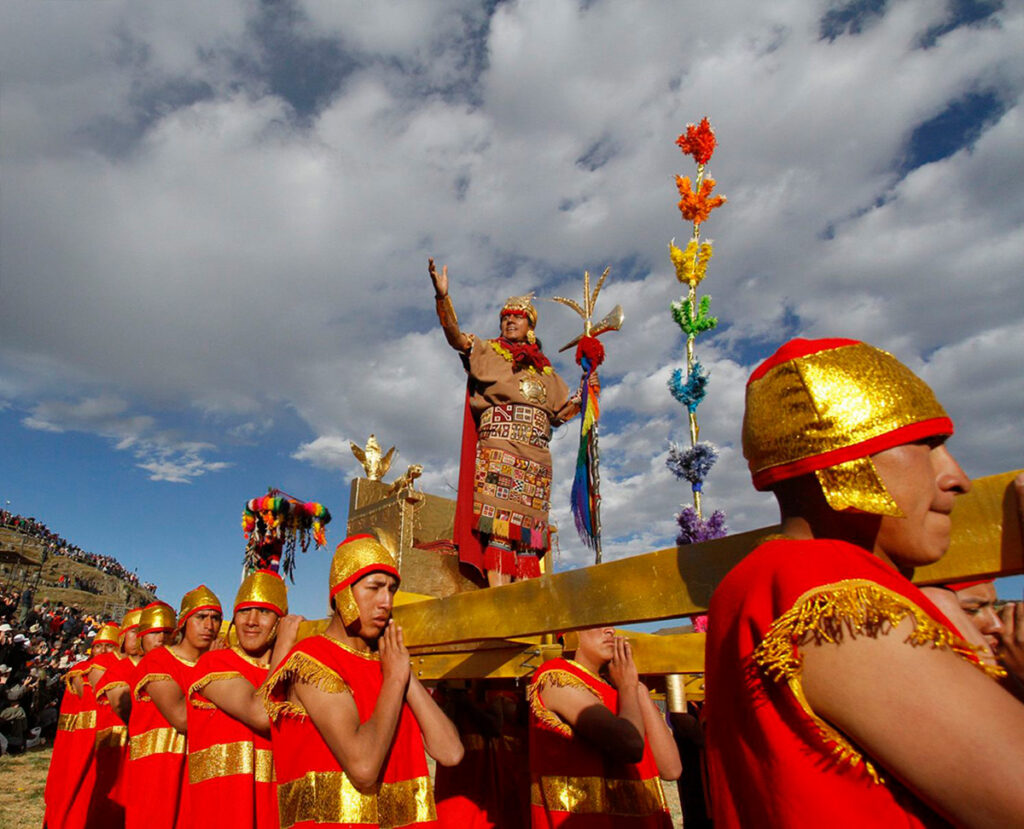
(215, 220)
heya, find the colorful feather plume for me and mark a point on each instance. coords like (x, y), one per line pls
(589, 355)
(274, 524)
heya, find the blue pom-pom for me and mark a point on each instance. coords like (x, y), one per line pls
(691, 391)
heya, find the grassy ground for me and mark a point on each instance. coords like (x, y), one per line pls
(22, 779)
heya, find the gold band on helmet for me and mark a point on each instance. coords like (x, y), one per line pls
(521, 305)
(156, 616)
(130, 620)
(263, 588)
(826, 406)
(355, 557)
(199, 598)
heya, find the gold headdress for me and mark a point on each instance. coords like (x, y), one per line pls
(156, 616)
(355, 557)
(130, 620)
(199, 598)
(108, 633)
(263, 588)
(521, 305)
(826, 406)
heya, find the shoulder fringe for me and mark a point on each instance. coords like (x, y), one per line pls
(828, 613)
(213, 676)
(558, 679)
(140, 694)
(304, 668)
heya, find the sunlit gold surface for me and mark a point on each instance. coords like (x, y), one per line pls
(231, 758)
(155, 617)
(829, 401)
(198, 597)
(349, 558)
(598, 795)
(262, 588)
(156, 741)
(330, 797)
(856, 485)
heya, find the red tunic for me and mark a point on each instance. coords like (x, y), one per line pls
(117, 676)
(93, 800)
(231, 768)
(157, 772)
(312, 788)
(572, 783)
(771, 761)
(72, 755)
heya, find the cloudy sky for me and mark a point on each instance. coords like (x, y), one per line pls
(215, 220)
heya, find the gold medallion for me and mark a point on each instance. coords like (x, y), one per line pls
(533, 390)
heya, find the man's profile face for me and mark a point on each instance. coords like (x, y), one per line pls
(597, 644)
(103, 647)
(374, 595)
(979, 602)
(924, 479)
(154, 639)
(132, 647)
(255, 626)
(202, 627)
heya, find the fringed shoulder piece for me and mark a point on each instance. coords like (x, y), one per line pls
(300, 667)
(850, 607)
(139, 694)
(554, 678)
(213, 676)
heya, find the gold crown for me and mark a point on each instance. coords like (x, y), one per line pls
(354, 558)
(521, 304)
(263, 588)
(826, 406)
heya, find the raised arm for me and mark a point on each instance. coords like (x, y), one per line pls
(446, 311)
(169, 699)
(947, 731)
(236, 697)
(440, 736)
(361, 748)
(659, 737)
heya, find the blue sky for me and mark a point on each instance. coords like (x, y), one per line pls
(215, 222)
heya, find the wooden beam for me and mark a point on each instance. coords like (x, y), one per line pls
(678, 582)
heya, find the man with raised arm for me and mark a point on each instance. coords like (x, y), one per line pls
(513, 399)
(349, 722)
(598, 743)
(230, 761)
(836, 692)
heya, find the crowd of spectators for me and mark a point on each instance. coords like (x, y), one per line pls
(55, 545)
(38, 644)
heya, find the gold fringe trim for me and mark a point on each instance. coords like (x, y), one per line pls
(139, 695)
(826, 614)
(304, 668)
(554, 678)
(213, 676)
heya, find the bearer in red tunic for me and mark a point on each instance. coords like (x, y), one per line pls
(114, 694)
(158, 746)
(231, 768)
(837, 693)
(597, 748)
(348, 721)
(72, 775)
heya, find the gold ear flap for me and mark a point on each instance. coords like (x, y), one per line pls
(346, 604)
(856, 485)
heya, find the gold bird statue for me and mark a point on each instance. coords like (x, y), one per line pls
(374, 464)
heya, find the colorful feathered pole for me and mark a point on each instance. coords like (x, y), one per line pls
(274, 524)
(693, 463)
(586, 484)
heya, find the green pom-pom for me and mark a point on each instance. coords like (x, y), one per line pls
(692, 325)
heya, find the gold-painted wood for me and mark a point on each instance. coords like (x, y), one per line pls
(679, 581)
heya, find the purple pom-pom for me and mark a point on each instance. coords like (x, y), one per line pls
(693, 528)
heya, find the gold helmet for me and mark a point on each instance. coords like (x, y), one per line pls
(263, 588)
(156, 616)
(108, 633)
(826, 406)
(199, 598)
(355, 557)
